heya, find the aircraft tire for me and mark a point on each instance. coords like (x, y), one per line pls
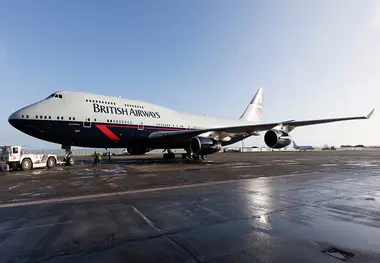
(70, 161)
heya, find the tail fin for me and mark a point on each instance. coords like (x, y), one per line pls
(254, 108)
(295, 146)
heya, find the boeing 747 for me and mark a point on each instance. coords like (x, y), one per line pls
(89, 120)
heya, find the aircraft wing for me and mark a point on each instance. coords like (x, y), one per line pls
(250, 129)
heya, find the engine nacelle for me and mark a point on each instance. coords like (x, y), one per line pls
(277, 139)
(204, 145)
(137, 151)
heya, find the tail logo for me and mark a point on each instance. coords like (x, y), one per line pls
(258, 113)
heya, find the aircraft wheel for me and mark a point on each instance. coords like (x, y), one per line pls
(26, 164)
(51, 162)
(166, 156)
(171, 155)
(70, 161)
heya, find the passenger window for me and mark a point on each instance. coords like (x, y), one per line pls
(69, 118)
(61, 118)
(73, 118)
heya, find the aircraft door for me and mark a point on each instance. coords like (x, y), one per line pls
(87, 122)
(140, 126)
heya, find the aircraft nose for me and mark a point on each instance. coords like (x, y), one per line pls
(12, 118)
(16, 117)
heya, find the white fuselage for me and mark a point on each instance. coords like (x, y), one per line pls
(80, 112)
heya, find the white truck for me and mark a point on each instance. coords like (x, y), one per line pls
(15, 157)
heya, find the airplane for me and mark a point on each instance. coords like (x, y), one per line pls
(302, 148)
(71, 118)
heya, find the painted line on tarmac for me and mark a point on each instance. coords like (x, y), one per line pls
(82, 197)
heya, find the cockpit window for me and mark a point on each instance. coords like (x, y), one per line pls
(54, 95)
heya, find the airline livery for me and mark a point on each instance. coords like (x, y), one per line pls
(90, 120)
(303, 147)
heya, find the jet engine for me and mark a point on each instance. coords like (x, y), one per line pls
(277, 139)
(204, 145)
(137, 151)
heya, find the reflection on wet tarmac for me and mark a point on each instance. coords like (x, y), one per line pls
(307, 207)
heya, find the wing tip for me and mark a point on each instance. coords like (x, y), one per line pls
(369, 115)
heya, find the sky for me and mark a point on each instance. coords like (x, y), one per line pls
(314, 59)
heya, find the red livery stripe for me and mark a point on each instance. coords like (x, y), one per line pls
(258, 113)
(107, 132)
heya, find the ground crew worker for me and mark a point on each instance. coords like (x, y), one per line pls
(95, 157)
(99, 158)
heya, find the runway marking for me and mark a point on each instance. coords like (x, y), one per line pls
(150, 223)
(81, 197)
(46, 225)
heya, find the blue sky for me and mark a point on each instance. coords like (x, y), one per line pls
(314, 59)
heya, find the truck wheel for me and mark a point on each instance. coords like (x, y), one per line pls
(51, 162)
(26, 164)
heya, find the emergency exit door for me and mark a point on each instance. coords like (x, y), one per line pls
(140, 126)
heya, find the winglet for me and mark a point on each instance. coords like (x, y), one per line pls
(370, 114)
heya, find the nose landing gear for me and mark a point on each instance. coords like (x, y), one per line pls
(68, 159)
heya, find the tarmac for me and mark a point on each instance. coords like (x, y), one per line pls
(233, 207)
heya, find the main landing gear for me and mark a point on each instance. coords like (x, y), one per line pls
(193, 156)
(169, 155)
(68, 159)
(188, 154)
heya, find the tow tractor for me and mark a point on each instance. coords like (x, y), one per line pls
(15, 157)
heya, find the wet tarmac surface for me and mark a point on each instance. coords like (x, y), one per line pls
(233, 207)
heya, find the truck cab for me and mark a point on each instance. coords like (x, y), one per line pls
(10, 153)
(15, 157)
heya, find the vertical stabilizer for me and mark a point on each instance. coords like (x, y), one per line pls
(295, 146)
(253, 112)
